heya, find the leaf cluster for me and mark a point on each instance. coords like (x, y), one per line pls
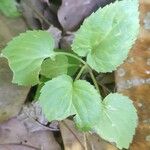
(104, 39)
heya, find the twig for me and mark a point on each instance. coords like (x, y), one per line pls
(85, 141)
(104, 86)
(37, 12)
(66, 125)
(18, 144)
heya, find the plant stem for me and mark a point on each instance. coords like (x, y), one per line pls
(80, 72)
(85, 65)
(71, 55)
(94, 80)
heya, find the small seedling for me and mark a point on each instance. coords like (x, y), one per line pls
(104, 40)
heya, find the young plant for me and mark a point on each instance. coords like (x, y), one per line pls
(104, 39)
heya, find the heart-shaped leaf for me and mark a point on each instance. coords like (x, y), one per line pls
(118, 120)
(26, 53)
(107, 35)
(54, 67)
(61, 97)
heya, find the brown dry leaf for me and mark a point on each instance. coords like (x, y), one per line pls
(94, 142)
(34, 119)
(72, 12)
(16, 147)
(14, 135)
(12, 96)
(133, 79)
(71, 141)
(75, 140)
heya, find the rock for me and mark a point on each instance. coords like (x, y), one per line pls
(56, 33)
(133, 80)
(72, 12)
(66, 41)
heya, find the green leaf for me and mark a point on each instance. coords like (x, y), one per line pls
(73, 66)
(38, 90)
(61, 97)
(108, 34)
(53, 68)
(43, 79)
(26, 53)
(8, 8)
(118, 120)
(60, 65)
